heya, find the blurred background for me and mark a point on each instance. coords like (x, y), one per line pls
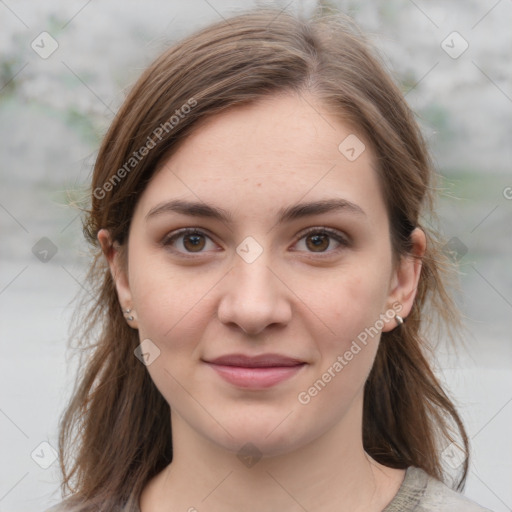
(65, 67)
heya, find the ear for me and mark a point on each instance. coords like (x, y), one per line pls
(119, 275)
(405, 278)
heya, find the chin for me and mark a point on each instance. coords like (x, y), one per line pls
(269, 436)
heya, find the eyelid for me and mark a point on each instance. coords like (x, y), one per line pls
(184, 231)
(170, 237)
(323, 229)
(337, 235)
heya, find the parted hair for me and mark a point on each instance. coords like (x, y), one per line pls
(115, 433)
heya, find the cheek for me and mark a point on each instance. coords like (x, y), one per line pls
(351, 307)
(352, 300)
(175, 305)
(351, 304)
(173, 310)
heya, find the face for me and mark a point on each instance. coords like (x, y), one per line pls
(260, 267)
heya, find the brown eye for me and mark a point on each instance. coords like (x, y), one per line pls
(194, 242)
(317, 242)
(322, 240)
(188, 241)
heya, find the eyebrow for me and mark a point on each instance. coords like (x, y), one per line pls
(199, 209)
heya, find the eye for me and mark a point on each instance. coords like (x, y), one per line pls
(316, 240)
(321, 240)
(188, 240)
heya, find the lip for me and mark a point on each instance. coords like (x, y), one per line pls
(255, 372)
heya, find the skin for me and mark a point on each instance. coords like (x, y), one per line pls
(304, 300)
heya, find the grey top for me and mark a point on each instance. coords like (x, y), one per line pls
(419, 492)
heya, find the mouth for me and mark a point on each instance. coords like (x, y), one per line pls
(257, 372)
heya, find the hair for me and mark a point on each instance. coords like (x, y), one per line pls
(115, 433)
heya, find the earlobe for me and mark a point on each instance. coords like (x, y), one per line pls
(406, 278)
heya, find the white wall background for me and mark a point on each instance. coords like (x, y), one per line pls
(54, 110)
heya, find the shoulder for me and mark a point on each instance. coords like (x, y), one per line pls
(439, 496)
(420, 492)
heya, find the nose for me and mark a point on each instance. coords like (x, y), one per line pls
(254, 298)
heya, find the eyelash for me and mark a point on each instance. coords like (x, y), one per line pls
(336, 235)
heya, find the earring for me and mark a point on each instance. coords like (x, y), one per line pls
(127, 314)
(399, 320)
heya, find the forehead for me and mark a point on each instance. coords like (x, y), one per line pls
(278, 150)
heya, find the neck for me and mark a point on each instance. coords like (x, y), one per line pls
(331, 473)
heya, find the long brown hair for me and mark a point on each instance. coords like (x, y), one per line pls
(115, 434)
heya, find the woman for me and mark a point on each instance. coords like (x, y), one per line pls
(263, 274)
